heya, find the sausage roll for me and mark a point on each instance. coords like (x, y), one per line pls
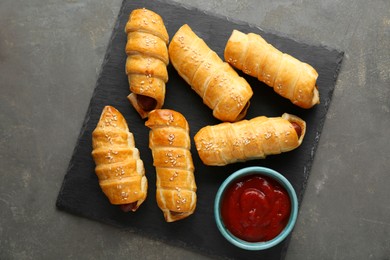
(227, 143)
(119, 168)
(170, 144)
(289, 77)
(218, 84)
(147, 60)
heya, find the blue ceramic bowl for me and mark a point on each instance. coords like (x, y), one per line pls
(264, 172)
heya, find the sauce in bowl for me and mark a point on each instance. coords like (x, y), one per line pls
(255, 208)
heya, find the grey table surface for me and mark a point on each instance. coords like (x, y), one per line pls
(51, 53)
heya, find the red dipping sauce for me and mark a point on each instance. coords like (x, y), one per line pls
(255, 208)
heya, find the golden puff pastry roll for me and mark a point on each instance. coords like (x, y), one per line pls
(147, 60)
(289, 77)
(245, 140)
(170, 143)
(215, 81)
(119, 168)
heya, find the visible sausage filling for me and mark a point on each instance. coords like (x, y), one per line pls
(243, 111)
(175, 213)
(128, 207)
(146, 103)
(297, 129)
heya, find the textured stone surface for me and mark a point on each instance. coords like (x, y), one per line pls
(50, 56)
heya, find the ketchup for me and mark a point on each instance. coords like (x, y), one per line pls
(255, 208)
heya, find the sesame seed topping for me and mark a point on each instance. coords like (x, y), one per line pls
(108, 121)
(246, 70)
(246, 141)
(109, 157)
(171, 138)
(170, 118)
(207, 145)
(109, 138)
(175, 174)
(171, 158)
(124, 195)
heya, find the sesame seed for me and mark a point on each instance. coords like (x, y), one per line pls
(170, 118)
(247, 141)
(207, 145)
(171, 138)
(124, 195)
(109, 157)
(175, 174)
(109, 138)
(246, 70)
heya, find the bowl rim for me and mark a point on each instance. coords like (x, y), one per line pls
(253, 170)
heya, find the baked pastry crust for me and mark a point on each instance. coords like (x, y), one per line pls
(245, 140)
(119, 168)
(147, 60)
(170, 144)
(289, 77)
(215, 81)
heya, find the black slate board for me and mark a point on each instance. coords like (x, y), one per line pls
(80, 193)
